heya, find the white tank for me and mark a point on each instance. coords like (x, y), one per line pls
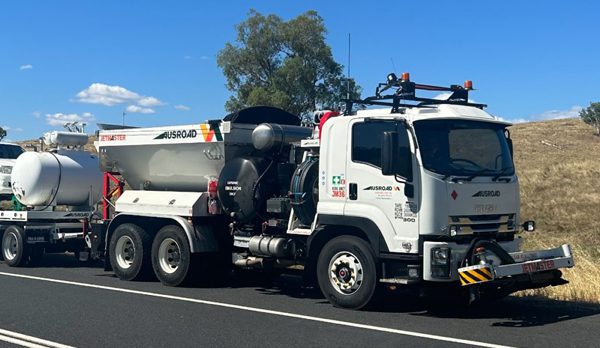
(62, 178)
(65, 138)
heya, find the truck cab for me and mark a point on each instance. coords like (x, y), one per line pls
(431, 186)
(8, 155)
(449, 177)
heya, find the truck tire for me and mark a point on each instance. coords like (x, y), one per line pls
(130, 252)
(347, 273)
(171, 257)
(14, 250)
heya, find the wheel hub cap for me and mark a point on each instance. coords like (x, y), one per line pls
(125, 252)
(345, 273)
(11, 248)
(169, 255)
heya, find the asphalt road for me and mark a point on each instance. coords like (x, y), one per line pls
(81, 305)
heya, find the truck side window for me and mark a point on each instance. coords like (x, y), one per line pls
(367, 138)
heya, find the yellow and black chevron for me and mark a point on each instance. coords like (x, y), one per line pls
(474, 275)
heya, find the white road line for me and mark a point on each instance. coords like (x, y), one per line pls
(20, 342)
(264, 311)
(28, 341)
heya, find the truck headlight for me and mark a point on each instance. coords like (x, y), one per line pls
(440, 256)
(5, 169)
(440, 262)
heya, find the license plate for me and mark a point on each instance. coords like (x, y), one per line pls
(538, 266)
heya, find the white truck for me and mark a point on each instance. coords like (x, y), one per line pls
(420, 193)
(8, 155)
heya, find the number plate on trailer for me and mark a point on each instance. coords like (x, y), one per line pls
(543, 265)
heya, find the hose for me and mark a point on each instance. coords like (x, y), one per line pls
(490, 245)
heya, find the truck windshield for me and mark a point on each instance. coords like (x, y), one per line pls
(464, 148)
(10, 151)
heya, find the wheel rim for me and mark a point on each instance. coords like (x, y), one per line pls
(11, 247)
(345, 273)
(125, 252)
(169, 255)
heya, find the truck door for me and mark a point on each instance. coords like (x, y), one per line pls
(388, 201)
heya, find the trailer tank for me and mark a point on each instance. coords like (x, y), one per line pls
(67, 177)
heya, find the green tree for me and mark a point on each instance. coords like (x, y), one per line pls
(2, 133)
(286, 64)
(591, 116)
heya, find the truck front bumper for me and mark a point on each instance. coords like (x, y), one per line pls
(530, 267)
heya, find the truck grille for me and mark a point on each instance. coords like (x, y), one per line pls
(481, 224)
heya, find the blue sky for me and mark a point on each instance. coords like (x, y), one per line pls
(91, 60)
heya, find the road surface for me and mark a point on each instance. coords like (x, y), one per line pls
(63, 303)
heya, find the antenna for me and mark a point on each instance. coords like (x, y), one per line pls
(393, 65)
(348, 77)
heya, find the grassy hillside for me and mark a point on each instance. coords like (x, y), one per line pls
(29, 145)
(558, 163)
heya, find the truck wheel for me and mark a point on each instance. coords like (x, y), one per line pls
(347, 273)
(130, 252)
(171, 256)
(14, 250)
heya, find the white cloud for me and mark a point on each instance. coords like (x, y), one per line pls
(445, 95)
(512, 120)
(26, 67)
(59, 119)
(187, 57)
(7, 128)
(546, 115)
(204, 57)
(139, 110)
(442, 96)
(36, 114)
(182, 107)
(149, 102)
(100, 93)
(557, 114)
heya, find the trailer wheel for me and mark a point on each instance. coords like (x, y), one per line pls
(171, 256)
(130, 252)
(14, 250)
(347, 273)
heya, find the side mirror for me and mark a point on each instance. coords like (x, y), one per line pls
(390, 164)
(510, 142)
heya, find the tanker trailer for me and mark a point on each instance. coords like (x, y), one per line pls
(58, 190)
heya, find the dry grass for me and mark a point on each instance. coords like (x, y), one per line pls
(558, 163)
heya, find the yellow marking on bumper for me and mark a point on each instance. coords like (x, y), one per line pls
(468, 278)
(477, 276)
(487, 272)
